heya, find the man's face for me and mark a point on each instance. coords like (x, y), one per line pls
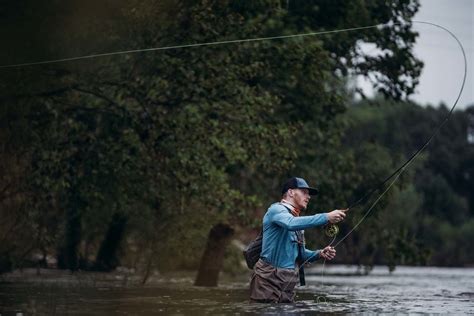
(301, 198)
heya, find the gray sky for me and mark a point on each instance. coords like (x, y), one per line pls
(443, 70)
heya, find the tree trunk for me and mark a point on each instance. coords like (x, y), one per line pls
(107, 257)
(213, 257)
(68, 254)
(5, 263)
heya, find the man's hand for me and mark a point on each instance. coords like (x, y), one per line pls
(328, 253)
(336, 216)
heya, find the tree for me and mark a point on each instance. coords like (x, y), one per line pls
(428, 191)
(129, 146)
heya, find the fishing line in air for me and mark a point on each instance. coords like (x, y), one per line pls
(164, 48)
(282, 37)
(395, 175)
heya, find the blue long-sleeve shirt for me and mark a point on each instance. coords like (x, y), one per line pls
(279, 245)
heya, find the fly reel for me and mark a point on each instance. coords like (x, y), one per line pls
(331, 230)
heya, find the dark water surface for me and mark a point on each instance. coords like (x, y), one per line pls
(338, 291)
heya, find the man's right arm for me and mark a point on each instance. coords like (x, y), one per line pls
(284, 219)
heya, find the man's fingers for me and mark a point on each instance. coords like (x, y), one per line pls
(329, 255)
(340, 215)
(336, 216)
(329, 251)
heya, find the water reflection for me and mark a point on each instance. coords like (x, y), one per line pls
(408, 290)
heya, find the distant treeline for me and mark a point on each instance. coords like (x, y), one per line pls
(429, 217)
(158, 160)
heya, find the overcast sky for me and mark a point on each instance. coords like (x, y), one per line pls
(444, 67)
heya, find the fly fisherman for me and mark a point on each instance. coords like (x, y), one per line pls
(283, 252)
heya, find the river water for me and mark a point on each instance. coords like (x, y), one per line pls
(338, 291)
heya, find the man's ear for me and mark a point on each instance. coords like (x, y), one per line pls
(291, 193)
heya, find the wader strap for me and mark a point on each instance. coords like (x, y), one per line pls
(300, 237)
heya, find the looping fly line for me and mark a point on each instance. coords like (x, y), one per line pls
(398, 172)
(226, 42)
(332, 231)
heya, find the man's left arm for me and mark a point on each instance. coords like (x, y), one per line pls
(311, 255)
(328, 253)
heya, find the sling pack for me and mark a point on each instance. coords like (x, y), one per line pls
(253, 250)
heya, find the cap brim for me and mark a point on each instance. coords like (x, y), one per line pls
(313, 191)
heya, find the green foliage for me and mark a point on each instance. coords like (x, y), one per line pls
(425, 218)
(179, 140)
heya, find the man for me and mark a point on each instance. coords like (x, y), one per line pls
(276, 273)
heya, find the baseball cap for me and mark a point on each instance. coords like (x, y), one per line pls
(298, 183)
